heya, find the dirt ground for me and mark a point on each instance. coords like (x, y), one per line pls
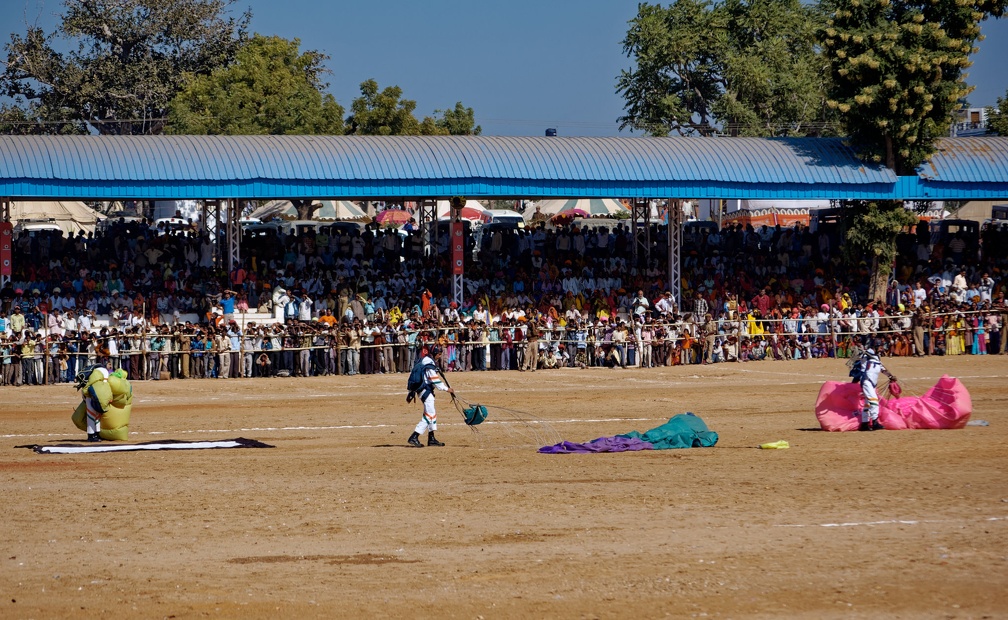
(341, 519)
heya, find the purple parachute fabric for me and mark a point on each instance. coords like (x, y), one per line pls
(602, 444)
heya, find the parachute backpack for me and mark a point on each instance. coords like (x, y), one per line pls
(857, 370)
(474, 414)
(417, 384)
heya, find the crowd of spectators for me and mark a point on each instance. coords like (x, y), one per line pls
(365, 300)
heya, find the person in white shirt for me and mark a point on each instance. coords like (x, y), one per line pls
(85, 322)
(919, 295)
(305, 309)
(871, 368)
(959, 282)
(665, 305)
(986, 287)
(641, 305)
(432, 381)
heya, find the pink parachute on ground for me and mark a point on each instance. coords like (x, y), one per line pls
(946, 405)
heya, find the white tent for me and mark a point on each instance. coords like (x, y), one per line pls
(444, 207)
(330, 210)
(70, 215)
(592, 207)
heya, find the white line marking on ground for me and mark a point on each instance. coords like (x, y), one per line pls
(275, 429)
(887, 522)
(786, 374)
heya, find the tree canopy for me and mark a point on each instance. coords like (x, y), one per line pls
(897, 71)
(271, 88)
(459, 121)
(126, 64)
(738, 67)
(897, 78)
(385, 113)
(382, 113)
(997, 117)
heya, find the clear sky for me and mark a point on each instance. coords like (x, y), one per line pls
(522, 65)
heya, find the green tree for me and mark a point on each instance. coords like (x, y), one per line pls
(460, 121)
(382, 113)
(896, 69)
(872, 228)
(126, 65)
(739, 67)
(997, 117)
(271, 88)
(386, 113)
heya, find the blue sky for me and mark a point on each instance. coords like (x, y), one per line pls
(522, 65)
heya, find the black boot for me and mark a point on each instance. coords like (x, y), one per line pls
(414, 440)
(93, 437)
(876, 425)
(432, 441)
(865, 426)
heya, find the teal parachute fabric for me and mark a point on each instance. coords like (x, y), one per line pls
(682, 431)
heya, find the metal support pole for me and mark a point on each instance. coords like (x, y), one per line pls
(427, 220)
(675, 217)
(6, 242)
(212, 226)
(640, 225)
(458, 249)
(233, 234)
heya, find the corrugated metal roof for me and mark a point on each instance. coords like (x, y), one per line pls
(413, 166)
(968, 160)
(200, 158)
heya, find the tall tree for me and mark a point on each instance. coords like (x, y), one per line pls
(744, 67)
(385, 113)
(126, 65)
(997, 117)
(896, 69)
(871, 230)
(382, 113)
(459, 121)
(271, 88)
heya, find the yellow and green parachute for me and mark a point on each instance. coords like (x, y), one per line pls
(107, 397)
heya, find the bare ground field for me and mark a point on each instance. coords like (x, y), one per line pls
(341, 519)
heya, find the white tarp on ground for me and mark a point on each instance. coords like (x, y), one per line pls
(70, 215)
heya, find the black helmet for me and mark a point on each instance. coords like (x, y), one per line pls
(82, 377)
(434, 350)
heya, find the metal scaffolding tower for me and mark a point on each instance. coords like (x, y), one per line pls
(675, 217)
(640, 225)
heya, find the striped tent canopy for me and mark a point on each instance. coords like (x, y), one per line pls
(330, 210)
(593, 207)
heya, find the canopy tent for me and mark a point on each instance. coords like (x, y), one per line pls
(330, 210)
(473, 209)
(594, 207)
(69, 215)
(393, 217)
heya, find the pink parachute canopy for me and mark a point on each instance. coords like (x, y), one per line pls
(946, 405)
